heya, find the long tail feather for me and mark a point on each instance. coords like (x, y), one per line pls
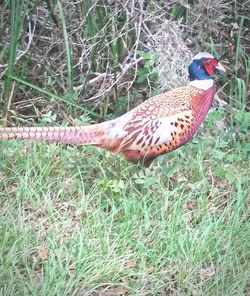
(78, 135)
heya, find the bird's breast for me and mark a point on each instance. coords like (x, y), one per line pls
(200, 106)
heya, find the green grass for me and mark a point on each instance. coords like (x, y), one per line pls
(16, 29)
(84, 222)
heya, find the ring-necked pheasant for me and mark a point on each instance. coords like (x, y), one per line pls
(157, 126)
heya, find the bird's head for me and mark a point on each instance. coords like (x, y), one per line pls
(203, 66)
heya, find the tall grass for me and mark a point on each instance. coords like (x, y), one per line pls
(68, 47)
(16, 22)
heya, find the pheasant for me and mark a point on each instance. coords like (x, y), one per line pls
(157, 126)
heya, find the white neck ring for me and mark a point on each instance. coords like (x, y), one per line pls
(204, 84)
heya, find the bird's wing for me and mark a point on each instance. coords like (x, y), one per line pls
(150, 133)
(163, 118)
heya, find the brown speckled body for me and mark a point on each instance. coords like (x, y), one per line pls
(157, 126)
(185, 107)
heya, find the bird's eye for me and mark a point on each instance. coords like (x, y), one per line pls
(209, 61)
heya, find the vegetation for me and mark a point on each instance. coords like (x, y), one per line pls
(80, 221)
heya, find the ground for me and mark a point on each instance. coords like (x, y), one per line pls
(80, 221)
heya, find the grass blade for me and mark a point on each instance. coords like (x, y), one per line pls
(14, 41)
(68, 48)
(51, 95)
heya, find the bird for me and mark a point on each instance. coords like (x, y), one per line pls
(157, 126)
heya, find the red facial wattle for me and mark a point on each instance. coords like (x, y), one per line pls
(210, 65)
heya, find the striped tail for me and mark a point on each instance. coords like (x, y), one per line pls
(78, 135)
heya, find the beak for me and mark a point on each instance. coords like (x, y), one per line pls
(220, 67)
